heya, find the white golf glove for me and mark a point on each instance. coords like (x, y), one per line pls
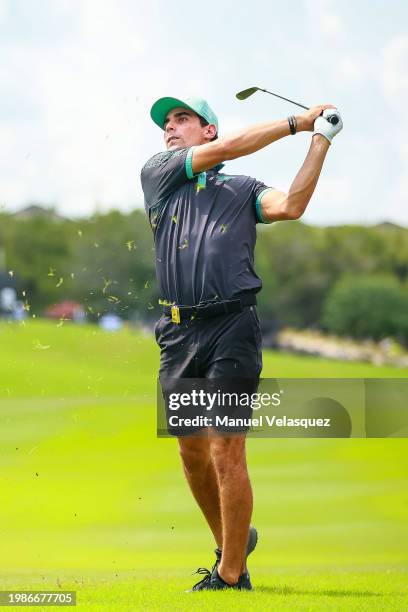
(324, 127)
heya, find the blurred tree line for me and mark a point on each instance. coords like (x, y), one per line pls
(106, 262)
(350, 280)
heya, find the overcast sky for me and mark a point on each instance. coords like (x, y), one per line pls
(78, 78)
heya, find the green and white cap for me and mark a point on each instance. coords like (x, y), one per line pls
(163, 106)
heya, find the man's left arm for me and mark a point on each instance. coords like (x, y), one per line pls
(279, 206)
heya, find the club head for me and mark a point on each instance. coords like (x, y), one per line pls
(243, 95)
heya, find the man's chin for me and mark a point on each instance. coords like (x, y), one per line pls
(175, 146)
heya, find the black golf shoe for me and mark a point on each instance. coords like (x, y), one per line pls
(216, 583)
(203, 583)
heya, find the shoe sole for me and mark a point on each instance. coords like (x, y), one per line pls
(252, 540)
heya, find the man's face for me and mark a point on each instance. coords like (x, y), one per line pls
(182, 128)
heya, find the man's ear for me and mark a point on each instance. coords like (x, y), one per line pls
(210, 131)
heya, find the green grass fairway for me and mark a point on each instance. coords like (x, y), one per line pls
(92, 501)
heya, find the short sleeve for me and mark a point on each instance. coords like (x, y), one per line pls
(162, 175)
(259, 191)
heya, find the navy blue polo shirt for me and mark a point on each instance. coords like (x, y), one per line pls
(204, 228)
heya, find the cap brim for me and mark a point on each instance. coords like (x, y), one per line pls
(163, 106)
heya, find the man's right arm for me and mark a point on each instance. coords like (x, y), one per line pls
(249, 140)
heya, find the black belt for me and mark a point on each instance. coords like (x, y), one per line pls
(209, 309)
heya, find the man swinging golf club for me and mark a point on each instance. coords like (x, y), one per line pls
(204, 225)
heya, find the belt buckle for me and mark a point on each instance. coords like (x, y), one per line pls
(175, 314)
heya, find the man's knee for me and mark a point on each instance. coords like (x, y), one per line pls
(228, 454)
(194, 453)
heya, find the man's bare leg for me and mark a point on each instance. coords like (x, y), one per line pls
(203, 481)
(228, 455)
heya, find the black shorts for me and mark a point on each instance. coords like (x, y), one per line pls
(212, 352)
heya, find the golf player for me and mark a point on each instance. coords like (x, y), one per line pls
(204, 226)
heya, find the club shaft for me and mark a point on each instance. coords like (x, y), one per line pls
(287, 99)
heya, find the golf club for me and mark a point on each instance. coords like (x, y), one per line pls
(243, 95)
